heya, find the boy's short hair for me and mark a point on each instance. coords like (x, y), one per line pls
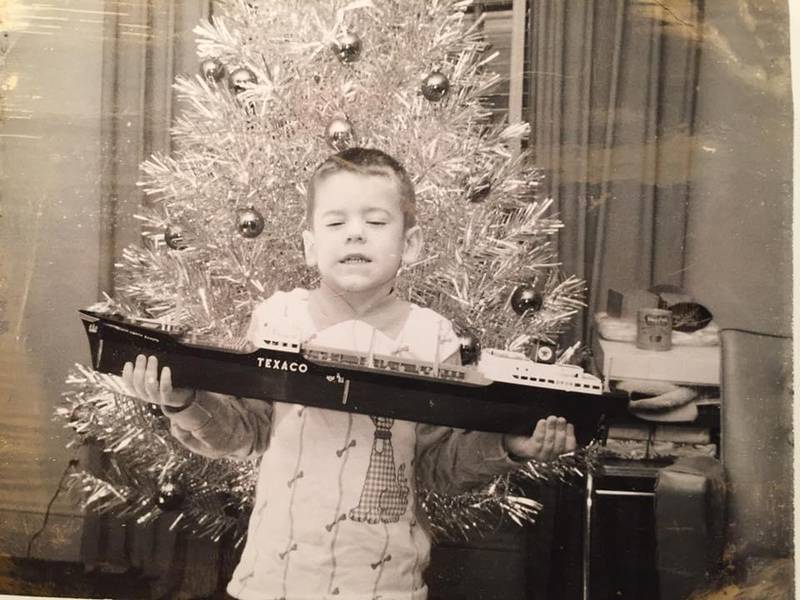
(367, 161)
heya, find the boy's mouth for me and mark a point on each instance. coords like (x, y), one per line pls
(354, 259)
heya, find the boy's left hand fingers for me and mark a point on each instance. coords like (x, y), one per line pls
(571, 442)
(151, 379)
(560, 438)
(539, 432)
(127, 379)
(549, 435)
(165, 386)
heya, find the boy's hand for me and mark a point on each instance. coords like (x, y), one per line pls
(551, 438)
(142, 381)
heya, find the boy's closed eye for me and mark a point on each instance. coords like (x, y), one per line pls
(333, 220)
(377, 217)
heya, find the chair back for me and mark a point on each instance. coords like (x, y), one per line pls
(757, 442)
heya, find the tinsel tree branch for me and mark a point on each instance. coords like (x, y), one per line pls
(473, 513)
(214, 496)
(243, 150)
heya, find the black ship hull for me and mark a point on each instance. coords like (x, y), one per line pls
(279, 376)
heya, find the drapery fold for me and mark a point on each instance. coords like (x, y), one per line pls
(146, 45)
(611, 89)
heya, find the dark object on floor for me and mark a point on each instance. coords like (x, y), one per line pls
(42, 578)
(689, 508)
(622, 543)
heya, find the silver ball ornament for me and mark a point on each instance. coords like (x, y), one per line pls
(240, 79)
(480, 191)
(212, 70)
(435, 86)
(340, 134)
(171, 496)
(526, 298)
(175, 237)
(231, 505)
(249, 222)
(347, 48)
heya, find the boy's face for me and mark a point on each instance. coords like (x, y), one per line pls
(358, 240)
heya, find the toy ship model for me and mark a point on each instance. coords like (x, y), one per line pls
(494, 365)
(503, 392)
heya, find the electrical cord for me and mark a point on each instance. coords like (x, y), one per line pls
(72, 463)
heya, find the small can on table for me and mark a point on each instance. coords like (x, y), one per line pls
(653, 329)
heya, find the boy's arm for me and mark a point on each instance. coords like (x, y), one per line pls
(218, 425)
(210, 424)
(452, 461)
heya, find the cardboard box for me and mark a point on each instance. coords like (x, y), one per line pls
(689, 365)
(627, 303)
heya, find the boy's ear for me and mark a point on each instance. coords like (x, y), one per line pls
(413, 245)
(309, 249)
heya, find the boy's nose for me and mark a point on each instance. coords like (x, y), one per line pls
(355, 231)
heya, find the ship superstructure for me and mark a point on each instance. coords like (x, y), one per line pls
(515, 367)
(494, 365)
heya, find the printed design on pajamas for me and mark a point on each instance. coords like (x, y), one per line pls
(384, 496)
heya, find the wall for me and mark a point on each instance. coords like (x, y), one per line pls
(739, 231)
(86, 95)
(50, 153)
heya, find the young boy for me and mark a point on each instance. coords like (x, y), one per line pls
(334, 513)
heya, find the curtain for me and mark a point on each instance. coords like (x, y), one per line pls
(611, 93)
(146, 44)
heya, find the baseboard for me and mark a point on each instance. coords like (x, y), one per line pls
(60, 540)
